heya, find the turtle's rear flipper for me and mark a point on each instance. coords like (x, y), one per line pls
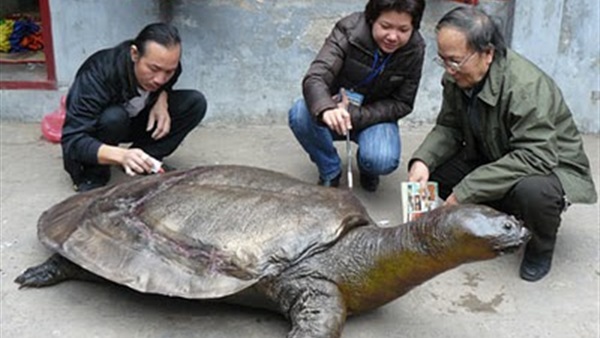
(53, 271)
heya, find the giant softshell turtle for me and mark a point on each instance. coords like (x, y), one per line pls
(253, 236)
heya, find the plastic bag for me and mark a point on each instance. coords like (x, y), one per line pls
(52, 123)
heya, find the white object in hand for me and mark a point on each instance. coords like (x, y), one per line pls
(349, 159)
(156, 165)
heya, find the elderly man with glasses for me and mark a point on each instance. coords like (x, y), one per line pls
(504, 136)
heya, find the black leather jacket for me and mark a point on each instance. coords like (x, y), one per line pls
(105, 79)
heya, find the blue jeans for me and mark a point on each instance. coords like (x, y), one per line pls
(378, 145)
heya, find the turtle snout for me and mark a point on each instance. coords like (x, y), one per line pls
(513, 224)
(525, 234)
(514, 235)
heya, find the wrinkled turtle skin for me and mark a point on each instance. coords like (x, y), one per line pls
(256, 237)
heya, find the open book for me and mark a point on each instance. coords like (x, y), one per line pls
(417, 201)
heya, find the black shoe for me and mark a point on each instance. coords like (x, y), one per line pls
(333, 183)
(92, 177)
(88, 185)
(369, 182)
(535, 266)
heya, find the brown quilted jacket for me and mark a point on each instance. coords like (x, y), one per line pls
(345, 60)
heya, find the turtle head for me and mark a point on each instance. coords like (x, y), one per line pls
(484, 233)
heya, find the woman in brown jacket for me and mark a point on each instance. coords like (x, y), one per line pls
(364, 78)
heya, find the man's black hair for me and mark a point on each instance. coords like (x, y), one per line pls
(162, 33)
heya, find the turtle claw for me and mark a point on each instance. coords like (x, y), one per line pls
(48, 273)
(29, 278)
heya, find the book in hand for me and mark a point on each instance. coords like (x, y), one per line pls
(416, 201)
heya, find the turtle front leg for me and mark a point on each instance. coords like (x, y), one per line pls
(53, 271)
(318, 312)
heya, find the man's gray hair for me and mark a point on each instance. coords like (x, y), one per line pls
(481, 31)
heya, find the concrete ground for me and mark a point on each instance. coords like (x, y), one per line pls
(485, 299)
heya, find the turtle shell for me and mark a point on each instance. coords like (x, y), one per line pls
(206, 232)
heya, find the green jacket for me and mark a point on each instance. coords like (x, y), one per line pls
(527, 129)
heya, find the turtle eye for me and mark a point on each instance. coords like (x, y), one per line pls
(508, 226)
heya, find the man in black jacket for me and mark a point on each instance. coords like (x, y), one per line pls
(125, 94)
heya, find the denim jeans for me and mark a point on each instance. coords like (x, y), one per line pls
(378, 145)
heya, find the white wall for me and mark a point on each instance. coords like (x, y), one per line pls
(249, 56)
(563, 38)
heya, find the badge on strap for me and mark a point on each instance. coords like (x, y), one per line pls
(355, 98)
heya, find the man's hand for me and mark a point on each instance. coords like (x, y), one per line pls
(451, 200)
(338, 119)
(159, 117)
(419, 172)
(136, 161)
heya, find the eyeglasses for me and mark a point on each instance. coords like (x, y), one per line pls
(452, 65)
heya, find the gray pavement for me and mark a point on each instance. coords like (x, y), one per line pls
(485, 299)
